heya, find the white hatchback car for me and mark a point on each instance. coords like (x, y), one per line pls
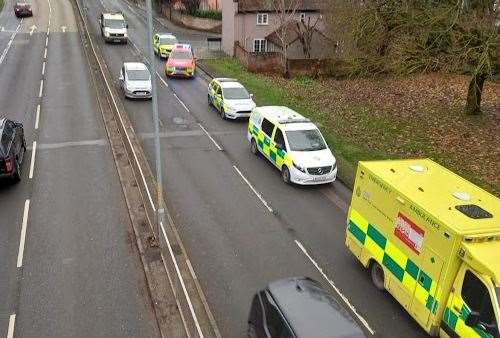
(135, 80)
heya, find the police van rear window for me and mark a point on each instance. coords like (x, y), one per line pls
(473, 211)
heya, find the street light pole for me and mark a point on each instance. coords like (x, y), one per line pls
(159, 178)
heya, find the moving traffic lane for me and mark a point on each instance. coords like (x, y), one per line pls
(215, 196)
(69, 266)
(20, 74)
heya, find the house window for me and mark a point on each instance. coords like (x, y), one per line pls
(259, 45)
(303, 17)
(262, 19)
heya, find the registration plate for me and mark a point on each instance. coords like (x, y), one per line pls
(320, 179)
(117, 40)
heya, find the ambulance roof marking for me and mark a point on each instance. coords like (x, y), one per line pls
(432, 191)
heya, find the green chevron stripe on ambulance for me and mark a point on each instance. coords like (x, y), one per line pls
(389, 256)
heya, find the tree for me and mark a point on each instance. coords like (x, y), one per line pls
(285, 12)
(191, 6)
(305, 32)
(409, 36)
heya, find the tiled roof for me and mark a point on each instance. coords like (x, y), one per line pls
(266, 6)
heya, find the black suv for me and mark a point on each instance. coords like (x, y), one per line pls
(299, 307)
(12, 149)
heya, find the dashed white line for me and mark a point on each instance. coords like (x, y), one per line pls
(210, 137)
(45, 53)
(20, 254)
(259, 196)
(341, 295)
(47, 41)
(32, 164)
(43, 68)
(40, 92)
(182, 103)
(12, 324)
(162, 80)
(37, 116)
(12, 37)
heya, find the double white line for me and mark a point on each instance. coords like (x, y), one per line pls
(12, 37)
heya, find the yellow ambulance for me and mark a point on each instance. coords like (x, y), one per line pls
(432, 240)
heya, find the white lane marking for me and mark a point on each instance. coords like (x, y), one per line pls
(341, 295)
(50, 8)
(32, 164)
(63, 28)
(259, 196)
(2, 28)
(12, 37)
(47, 41)
(182, 103)
(32, 29)
(12, 324)
(40, 92)
(43, 68)
(162, 80)
(37, 117)
(45, 53)
(48, 32)
(179, 275)
(210, 137)
(22, 240)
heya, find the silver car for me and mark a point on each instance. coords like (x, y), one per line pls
(135, 80)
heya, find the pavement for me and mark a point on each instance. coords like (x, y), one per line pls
(68, 262)
(241, 226)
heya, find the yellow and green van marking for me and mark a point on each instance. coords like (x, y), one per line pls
(388, 255)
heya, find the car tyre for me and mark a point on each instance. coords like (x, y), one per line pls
(253, 147)
(377, 275)
(251, 332)
(285, 174)
(223, 114)
(209, 101)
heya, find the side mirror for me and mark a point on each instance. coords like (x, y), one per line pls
(251, 96)
(126, 26)
(121, 78)
(473, 319)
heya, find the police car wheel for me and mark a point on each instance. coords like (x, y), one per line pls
(209, 101)
(222, 114)
(253, 147)
(377, 274)
(285, 174)
(251, 332)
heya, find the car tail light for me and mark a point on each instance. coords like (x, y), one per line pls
(8, 164)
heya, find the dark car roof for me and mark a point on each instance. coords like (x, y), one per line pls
(311, 311)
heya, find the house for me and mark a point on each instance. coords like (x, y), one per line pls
(255, 27)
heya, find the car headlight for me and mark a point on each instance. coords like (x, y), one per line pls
(299, 167)
(106, 34)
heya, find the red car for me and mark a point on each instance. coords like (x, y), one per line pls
(180, 62)
(22, 9)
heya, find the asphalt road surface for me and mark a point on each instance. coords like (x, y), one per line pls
(241, 225)
(68, 262)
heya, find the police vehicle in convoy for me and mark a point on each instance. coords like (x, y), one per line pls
(230, 98)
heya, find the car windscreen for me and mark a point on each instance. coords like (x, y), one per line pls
(236, 94)
(167, 41)
(138, 75)
(305, 140)
(181, 55)
(114, 23)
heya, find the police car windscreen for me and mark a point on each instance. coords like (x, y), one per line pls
(138, 75)
(114, 23)
(305, 140)
(181, 55)
(236, 94)
(167, 41)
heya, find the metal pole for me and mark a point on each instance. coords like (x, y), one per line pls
(159, 178)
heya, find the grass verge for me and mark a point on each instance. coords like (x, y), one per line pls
(413, 117)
